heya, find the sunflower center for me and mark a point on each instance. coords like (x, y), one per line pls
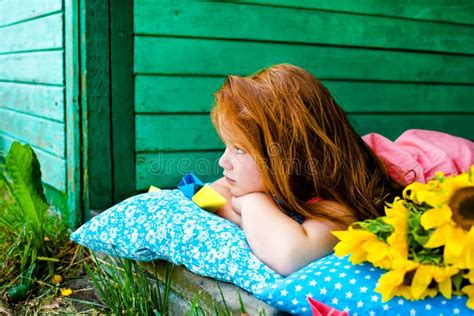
(462, 206)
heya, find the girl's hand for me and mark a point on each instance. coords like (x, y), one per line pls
(237, 202)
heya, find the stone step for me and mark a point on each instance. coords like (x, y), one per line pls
(185, 285)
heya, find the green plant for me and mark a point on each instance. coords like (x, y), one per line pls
(125, 287)
(32, 237)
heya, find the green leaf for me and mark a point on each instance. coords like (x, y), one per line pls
(23, 168)
(457, 280)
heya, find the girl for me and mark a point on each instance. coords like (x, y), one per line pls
(294, 168)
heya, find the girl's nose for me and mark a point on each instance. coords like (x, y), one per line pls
(224, 161)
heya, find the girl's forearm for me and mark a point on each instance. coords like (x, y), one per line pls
(276, 239)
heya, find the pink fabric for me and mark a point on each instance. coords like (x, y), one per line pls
(418, 154)
(320, 309)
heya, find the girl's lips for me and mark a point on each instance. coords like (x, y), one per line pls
(229, 179)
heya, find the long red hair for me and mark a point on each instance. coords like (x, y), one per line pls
(303, 142)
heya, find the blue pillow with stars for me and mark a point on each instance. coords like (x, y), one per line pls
(336, 282)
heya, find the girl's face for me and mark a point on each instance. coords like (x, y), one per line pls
(240, 171)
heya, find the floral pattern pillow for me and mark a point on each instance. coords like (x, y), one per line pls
(167, 225)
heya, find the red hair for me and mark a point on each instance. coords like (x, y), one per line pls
(303, 143)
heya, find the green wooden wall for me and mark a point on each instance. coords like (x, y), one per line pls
(35, 106)
(392, 65)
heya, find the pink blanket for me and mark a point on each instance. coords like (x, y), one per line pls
(418, 154)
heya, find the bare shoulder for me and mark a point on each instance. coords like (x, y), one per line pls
(339, 210)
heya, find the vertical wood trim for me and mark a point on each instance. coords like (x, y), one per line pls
(71, 69)
(95, 104)
(122, 101)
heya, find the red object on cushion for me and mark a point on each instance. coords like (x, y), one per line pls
(320, 309)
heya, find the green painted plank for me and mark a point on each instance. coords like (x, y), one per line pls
(74, 191)
(218, 57)
(41, 67)
(95, 104)
(122, 116)
(455, 11)
(402, 97)
(175, 94)
(42, 133)
(56, 198)
(392, 125)
(194, 94)
(175, 132)
(43, 33)
(53, 169)
(14, 10)
(164, 169)
(185, 18)
(43, 101)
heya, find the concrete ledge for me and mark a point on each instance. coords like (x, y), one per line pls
(185, 285)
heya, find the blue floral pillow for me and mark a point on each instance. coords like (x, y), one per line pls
(334, 281)
(167, 225)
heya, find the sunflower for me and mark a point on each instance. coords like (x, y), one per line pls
(425, 241)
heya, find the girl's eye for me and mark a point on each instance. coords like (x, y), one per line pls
(239, 151)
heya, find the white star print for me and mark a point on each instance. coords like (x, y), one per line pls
(338, 286)
(412, 312)
(400, 302)
(428, 307)
(352, 281)
(342, 275)
(309, 295)
(303, 277)
(386, 307)
(280, 303)
(367, 277)
(332, 270)
(327, 279)
(357, 271)
(375, 298)
(295, 301)
(304, 309)
(363, 289)
(298, 288)
(323, 291)
(456, 311)
(360, 304)
(346, 309)
(313, 283)
(283, 292)
(372, 313)
(349, 294)
(318, 273)
(335, 301)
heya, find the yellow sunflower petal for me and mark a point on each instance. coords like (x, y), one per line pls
(388, 282)
(421, 280)
(469, 291)
(376, 250)
(436, 217)
(445, 287)
(455, 242)
(439, 236)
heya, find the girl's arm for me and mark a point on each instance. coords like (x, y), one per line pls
(226, 211)
(278, 240)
